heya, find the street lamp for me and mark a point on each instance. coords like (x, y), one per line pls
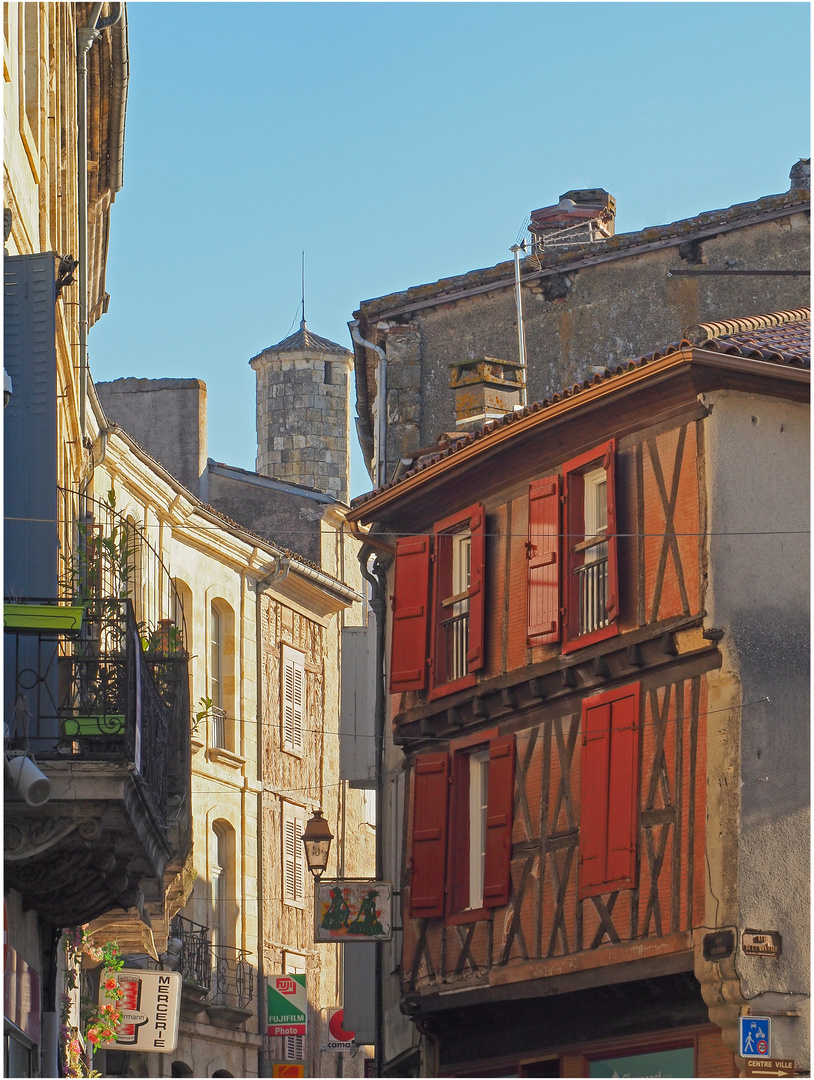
(317, 843)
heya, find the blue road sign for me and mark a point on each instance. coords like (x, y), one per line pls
(756, 1036)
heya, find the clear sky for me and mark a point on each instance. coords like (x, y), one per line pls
(400, 143)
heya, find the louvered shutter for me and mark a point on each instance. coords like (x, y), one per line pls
(544, 555)
(623, 799)
(410, 604)
(499, 815)
(293, 699)
(593, 829)
(430, 796)
(293, 860)
(609, 462)
(477, 576)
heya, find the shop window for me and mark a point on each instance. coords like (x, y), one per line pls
(572, 552)
(462, 829)
(679, 1061)
(609, 791)
(293, 699)
(438, 617)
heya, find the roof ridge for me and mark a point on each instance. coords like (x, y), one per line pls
(750, 322)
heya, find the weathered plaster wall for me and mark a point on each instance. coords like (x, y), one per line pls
(598, 315)
(758, 813)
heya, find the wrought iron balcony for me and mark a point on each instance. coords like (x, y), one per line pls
(456, 636)
(593, 593)
(216, 977)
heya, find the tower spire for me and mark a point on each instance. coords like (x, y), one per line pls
(302, 323)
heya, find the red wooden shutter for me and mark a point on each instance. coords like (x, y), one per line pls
(624, 787)
(593, 817)
(499, 815)
(477, 574)
(430, 792)
(609, 462)
(410, 603)
(544, 554)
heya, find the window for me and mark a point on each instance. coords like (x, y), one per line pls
(293, 1045)
(442, 608)
(222, 875)
(216, 677)
(572, 552)
(294, 869)
(462, 829)
(293, 699)
(609, 791)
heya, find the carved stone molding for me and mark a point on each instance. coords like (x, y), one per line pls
(25, 837)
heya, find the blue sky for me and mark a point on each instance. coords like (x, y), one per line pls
(399, 143)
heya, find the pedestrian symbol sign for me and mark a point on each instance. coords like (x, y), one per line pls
(755, 1036)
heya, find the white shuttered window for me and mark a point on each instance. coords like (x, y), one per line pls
(293, 698)
(293, 855)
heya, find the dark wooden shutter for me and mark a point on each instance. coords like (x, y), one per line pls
(609, 461)
(593, 827)
(477, 582)
(410, 604)
(544, 554)
(624, 787)
(499, 815)
(430, 795)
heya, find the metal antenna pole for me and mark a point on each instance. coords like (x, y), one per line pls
(303, 288)
(521, 337)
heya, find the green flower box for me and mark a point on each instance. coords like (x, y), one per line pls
(93, 727)
(52, 617)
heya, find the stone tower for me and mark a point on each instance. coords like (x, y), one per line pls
(303, 414)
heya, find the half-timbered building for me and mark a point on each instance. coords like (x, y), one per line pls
(597, 750)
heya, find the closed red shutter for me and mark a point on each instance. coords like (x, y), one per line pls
(544, 550)
(477, 572)
(593, 827)
(613, 561)
(624, 786)
(410, 603)
(430, 792)
(499, 816)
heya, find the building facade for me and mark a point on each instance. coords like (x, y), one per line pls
(598, 721)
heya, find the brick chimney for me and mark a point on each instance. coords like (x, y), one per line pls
(485, 388)
(800, 175)
(592, 208)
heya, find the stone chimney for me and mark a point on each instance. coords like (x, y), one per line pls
(485, 388)
(800, 175)
(591, 208)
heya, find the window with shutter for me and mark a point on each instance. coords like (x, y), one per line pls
(294, 870)
(590, 587)
(427, 864)
(543, 552)
(609, 791)
(293, 699)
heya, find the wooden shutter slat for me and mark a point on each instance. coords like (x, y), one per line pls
(477, 572)
(428, 852)
(544, 554)
(499, 814)
(408, 665)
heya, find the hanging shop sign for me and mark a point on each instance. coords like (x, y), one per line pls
(287, 1005)
(338, 1040)
(149, 1010)
(288, 1068)
(353, 911)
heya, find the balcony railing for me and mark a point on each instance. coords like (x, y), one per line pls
(592, 578)
(456, 633)
(232, 978)
(218, 727)
(195, 958)
(223, 974)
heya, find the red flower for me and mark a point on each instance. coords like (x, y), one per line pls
(93, 1036)
(110, 984)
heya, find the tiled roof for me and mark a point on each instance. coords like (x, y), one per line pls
(783, 337)
(305, 341)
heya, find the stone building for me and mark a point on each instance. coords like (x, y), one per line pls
(303, 415)
(589, 296)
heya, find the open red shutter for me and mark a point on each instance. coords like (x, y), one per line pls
(593, 817)
(544, 553)
(430, 792)
(624, 787)
(410, 603)
(499, 814)
(609, 462)
(477, 575)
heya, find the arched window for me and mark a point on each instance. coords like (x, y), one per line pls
(223, 879)
(180, 1068)
(221, 680)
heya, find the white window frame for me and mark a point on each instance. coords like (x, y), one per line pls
(596, 522)
(292, 700)
(478, 799)
(295, 872)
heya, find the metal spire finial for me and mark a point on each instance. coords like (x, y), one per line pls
(302, 324)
